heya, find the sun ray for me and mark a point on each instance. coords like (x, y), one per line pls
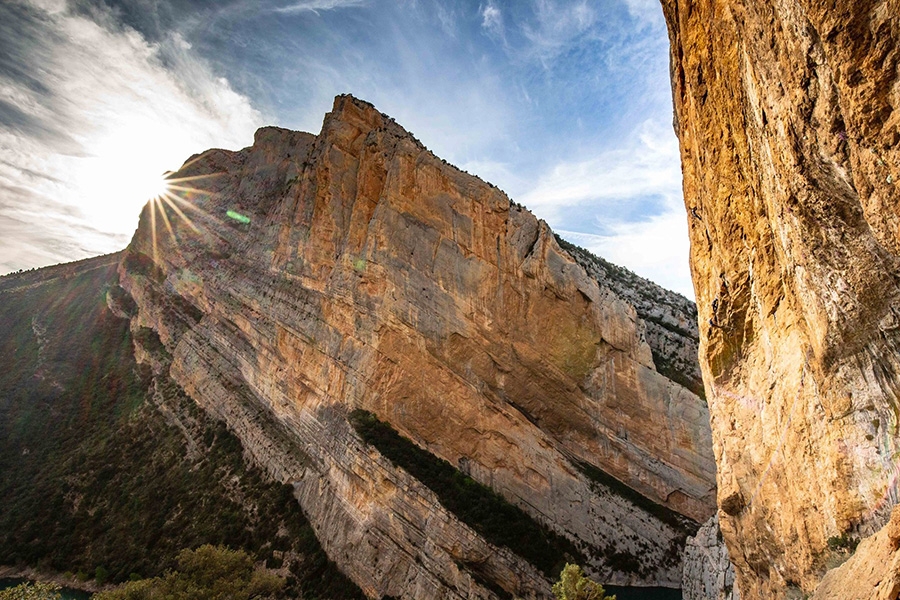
(170, 180)
(189, 205)
(153, 229)
(193, 190)
(162, 213)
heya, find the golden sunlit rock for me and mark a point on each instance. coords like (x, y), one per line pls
(787, 114)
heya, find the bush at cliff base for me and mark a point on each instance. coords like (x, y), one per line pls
(573, 585)
(32, 591)
(207, 573)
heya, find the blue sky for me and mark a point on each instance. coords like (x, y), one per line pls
(565, 105)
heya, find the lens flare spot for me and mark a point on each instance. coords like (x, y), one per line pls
(233, 214)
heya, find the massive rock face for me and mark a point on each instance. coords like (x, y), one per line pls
(372, 275)
(787, 112)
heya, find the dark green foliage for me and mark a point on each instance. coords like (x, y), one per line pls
(668, 369)
(624, 561)
(668, 516)
(477, 505)
(32, 591)
(207, 573)
(95, 479)
(843, 542)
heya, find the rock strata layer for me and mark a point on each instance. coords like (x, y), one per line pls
(787, 113)
(317, 275)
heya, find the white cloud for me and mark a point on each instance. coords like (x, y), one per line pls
(646, 165)
(646, 11)
(612, 185)
(656, 249)
(109, 118)
(316, 5)
(492, 19)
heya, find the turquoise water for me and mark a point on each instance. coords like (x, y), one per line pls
(622, 593)
(67, 593)
(636, 593)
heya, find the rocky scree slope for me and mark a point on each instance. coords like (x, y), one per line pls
(370, 277)
(787, 113)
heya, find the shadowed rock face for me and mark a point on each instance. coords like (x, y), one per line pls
(708, 572)
(787, 112)
(372, 275)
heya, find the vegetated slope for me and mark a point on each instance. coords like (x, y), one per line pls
(106, 465)
(311, 276)
(788, 114)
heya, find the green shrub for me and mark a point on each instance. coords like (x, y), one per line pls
(207, 573)
(573, 585)
(32, 591)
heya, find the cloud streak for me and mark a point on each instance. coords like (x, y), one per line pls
(314, 6)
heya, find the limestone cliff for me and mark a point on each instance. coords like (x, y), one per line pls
(787, 113)
(708, 572)
(358, 271)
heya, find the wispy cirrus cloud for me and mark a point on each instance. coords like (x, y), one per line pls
(558, 25)
(315, 6)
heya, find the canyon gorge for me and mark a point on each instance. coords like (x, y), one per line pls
(370, 366)
(400, 344)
